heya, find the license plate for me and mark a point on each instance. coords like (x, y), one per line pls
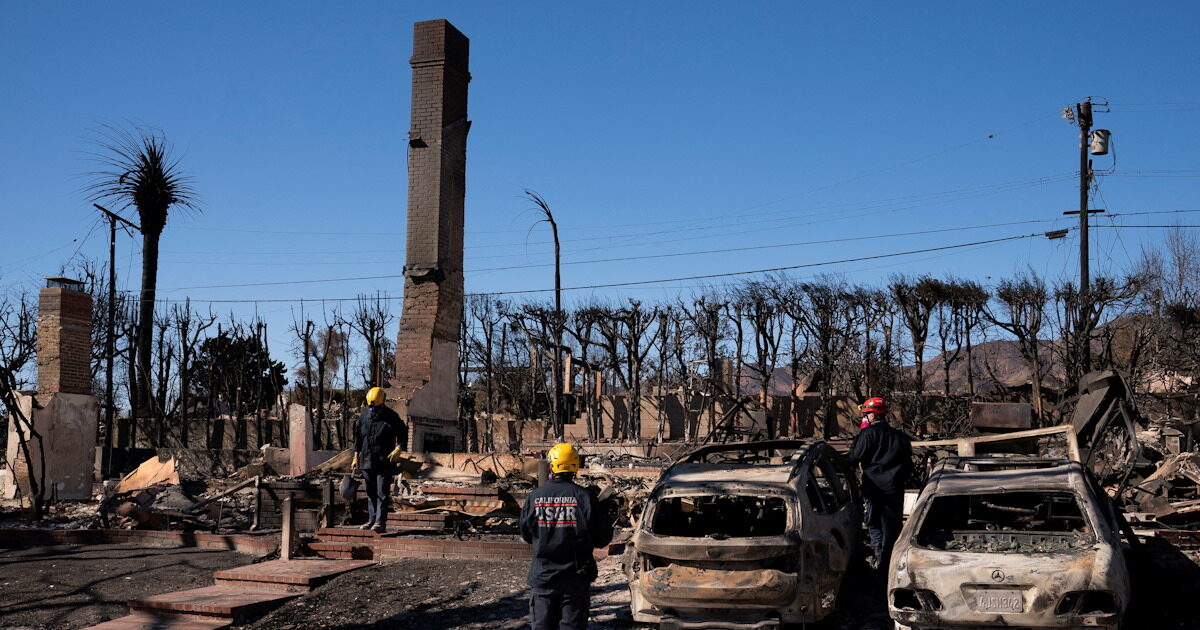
(999, 600)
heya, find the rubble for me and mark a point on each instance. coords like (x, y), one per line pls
(152, 472)
(1172, 492)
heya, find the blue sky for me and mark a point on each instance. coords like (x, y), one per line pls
(651, 128)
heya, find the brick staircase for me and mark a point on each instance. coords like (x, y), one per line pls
(351, 542)
(456, 504)
(474, 500)
(236, 595)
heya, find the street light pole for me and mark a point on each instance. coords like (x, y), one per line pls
(557, 378)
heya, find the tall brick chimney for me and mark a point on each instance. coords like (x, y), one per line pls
(426, 385)
(64, 341)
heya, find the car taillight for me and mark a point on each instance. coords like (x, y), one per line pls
(1087, 603)
(915, 599)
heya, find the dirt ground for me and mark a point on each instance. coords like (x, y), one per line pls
(1165, 583)
(487, 595)
(68, 587)
(75, 586)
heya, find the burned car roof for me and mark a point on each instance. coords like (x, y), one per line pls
(723, 477)
(965, 475)
(766, 454)
(766, 465)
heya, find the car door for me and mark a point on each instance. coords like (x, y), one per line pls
(824, 505)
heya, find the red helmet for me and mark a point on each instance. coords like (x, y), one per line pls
(876, 404)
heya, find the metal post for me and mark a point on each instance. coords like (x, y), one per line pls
(288, 535)
(257, 501)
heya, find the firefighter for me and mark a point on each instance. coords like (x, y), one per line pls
(379, 438)
(564, 522)
(885, 454)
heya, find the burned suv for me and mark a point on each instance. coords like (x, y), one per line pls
(1009, 541)
(745, 535)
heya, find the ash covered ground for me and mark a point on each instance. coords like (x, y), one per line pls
(72, 586)
(492, 595)
(68, 587)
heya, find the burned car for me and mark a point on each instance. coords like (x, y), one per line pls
(745, 535)
(1009, 541)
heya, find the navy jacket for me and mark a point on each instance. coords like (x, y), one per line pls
(564, 522)
(376, 435)
(885, 454)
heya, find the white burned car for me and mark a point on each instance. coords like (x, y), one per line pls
(746, 535)
(1009, 542)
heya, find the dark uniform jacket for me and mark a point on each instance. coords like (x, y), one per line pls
(564, 522)
(376, 435)
(885, 454)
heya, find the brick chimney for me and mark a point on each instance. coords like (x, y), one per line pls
(64, 338)
(426, 383)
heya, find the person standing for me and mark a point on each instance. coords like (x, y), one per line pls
(379, 438)
(563, 522)
(885, 454)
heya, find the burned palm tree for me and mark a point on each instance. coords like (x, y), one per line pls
(139, 171)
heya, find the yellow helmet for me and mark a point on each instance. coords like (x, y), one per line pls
(375, 396)
(563, 459)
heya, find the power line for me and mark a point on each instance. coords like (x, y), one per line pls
(1173, 225)
(780, 222)
(967, 192)
(630, 258)
(1156, 174)
(625, 258)
(680, 279)
(659, 281)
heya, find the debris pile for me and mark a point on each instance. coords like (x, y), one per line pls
(1171, 494)
(623, 496)
(153, 496)
(1147, 465)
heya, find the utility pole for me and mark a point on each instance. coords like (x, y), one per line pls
(1084, 112)
(1082, 116)
(110, 333)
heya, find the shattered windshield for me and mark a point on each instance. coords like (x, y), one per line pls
(720, 517)
(1028, 522)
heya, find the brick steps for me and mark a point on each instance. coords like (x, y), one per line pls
(418, 521)
(148, 621)
(227, 601)
(295, 575)
(469, 492)
(394, 548)
(341, 550)
(238, 594)
(348, 534)
(390, 546)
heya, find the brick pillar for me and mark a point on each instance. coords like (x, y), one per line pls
(64, 340)
(425, 389)
(62, 410)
